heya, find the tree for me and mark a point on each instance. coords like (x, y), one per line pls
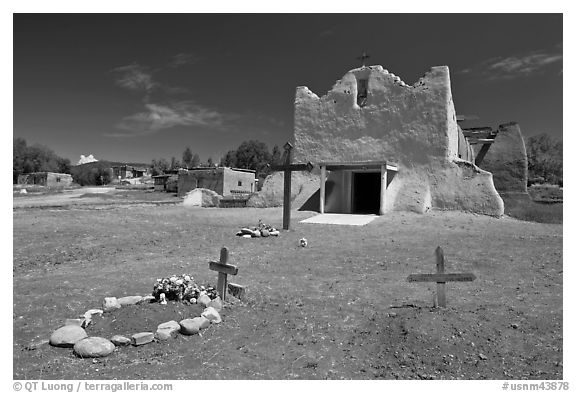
(210, 162)
(36, 158)
(95, 173)
(253, 155)
(187, 158)
(544, 159)
(276, 155)
(195, 161)
(174, 164)
(229, 159)
(159, 167)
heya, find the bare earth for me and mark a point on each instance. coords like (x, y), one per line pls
(339, 309)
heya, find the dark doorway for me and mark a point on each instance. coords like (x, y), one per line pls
(366, 193)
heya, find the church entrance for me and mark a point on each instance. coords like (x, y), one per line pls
(366, 192)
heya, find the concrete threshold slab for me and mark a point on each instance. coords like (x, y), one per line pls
(341, 219)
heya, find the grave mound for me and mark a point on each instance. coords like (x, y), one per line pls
(141, 318)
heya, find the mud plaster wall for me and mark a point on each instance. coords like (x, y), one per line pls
(224, 181)
(238, 182)
(506, 160)
(211, 179)
(413, 126)
(47, 179)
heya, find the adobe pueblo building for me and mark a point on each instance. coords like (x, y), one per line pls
(380, 145)
(46, 179)
(222, 180)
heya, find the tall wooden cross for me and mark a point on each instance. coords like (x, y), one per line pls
(363, 58)
(441, 278)
(288, 167)
(223, 270)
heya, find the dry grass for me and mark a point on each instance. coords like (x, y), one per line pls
(338, 309)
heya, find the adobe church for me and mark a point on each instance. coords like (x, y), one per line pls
(380, 145)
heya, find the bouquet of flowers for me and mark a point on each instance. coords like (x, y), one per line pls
(181, 288)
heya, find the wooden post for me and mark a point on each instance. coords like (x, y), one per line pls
(322, 188)
(288, 167)
(223, 270)
(440, 286)
(441, 278)
(383, 183)
(287, 186)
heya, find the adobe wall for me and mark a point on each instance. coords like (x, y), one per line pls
(238, 182)
(507, 160)
(210, 178)
(412, 126)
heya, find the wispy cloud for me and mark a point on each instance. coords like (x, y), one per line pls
(156, 117)
(515, 66)
(165, 107)
(134, 77)
(161, 107)
(182, 59)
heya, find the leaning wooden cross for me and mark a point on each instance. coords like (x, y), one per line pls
(223, 270)
(441, 278)
(288, 168)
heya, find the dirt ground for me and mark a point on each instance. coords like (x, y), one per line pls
(339, 309)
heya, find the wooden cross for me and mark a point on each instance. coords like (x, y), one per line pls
(441, 278)
(363, 58)
(223, 270)
(288, 167)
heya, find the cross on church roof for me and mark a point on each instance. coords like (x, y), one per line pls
(363, 58)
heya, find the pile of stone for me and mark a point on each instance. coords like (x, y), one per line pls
(73, 333)
(262, 230)
(181, 288)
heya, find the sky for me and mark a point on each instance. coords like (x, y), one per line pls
(137, 87)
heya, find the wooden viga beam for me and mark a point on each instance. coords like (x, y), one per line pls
(480, 141)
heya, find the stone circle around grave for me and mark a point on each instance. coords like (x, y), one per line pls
(175, 288)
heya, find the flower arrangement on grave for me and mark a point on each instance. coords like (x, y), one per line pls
(181, 288)
(262, 230)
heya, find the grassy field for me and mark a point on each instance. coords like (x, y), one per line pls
(339, 309)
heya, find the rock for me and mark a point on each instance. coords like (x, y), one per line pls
(204, 300)
(67, 336)
(93, 347)
(256, 233)
(391, 314)
(482, 356)
(147, 299)
(211, 314)
(74, 322)
(95, 311)
(274, 233)
(129, 300)
(247, 231)
(265, 233)
(142, 338)
(193, 325)
(514, 326)
(120, 340)
(216, 304)
(167, 330)
(110, 303)
(246, 236)
(236, 290)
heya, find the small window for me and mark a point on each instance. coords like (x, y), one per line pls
(57, 180)
(239, 183)
(362, 92)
